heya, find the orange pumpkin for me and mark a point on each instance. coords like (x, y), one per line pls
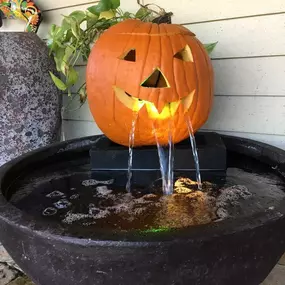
(159, 73)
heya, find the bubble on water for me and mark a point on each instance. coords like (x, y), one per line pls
(74, 196)
(55, 194)
(62, 204)
(107, 182)
(93, 215)
(93, 182)
(232, 195)
(89, 224)
(73, 217)
(92, 210)
(222, 213)
(103, 190)
(90, 182)
(50, 211)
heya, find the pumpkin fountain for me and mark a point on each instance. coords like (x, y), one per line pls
(67, 218)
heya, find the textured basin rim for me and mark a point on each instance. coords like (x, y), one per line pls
(265, 153)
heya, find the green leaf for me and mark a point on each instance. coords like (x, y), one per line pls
(115, 4)
(65, 25)
(64, 68)
(93, 10)
(75, 28)
(86, 54)
(142, 12)
(58, 57)
(59, 44)
(52, 30)
(107, 14)
(58, 83)
(68, 52)
(101, 7)
(68, 36)
(90, 15)
(79, 16)
(210, 47)
(72, 76)
(104, 5)
(64, 63)
(127, 15)
(91, 22)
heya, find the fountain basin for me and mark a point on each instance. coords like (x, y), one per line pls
(240, 249)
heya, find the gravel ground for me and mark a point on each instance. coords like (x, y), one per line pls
(10, 273)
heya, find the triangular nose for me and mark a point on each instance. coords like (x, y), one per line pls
(156, 80)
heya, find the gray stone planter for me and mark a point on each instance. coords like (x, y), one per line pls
(30, 104)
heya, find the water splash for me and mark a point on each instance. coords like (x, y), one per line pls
(131, 146)
(166, 161)
(195, 153)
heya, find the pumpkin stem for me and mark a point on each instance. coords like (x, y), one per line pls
(166, 18)
(163, 16)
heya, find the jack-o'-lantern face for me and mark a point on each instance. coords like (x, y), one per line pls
(150, 73)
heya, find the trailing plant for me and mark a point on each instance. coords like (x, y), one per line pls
(71, 42)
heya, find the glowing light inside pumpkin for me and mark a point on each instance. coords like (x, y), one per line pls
(127, 100)
(167, 111)
(135, 104)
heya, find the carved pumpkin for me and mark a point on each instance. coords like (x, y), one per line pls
(156, 72)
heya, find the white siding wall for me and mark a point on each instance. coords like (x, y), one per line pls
(249, 62)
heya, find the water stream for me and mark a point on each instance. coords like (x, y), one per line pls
(131, 146)
(170, 177)
(166, 161)
(195, 153)
(166, 156)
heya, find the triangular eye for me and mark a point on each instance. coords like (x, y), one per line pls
(185, 54)
(130, 55)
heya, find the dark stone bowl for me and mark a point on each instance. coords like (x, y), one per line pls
(236, 251)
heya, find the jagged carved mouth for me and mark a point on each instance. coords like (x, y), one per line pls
(169, 109)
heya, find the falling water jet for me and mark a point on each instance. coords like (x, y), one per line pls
(195, 153)
(162, 161)
(131, 146)
(166, 161)
(169, 189)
